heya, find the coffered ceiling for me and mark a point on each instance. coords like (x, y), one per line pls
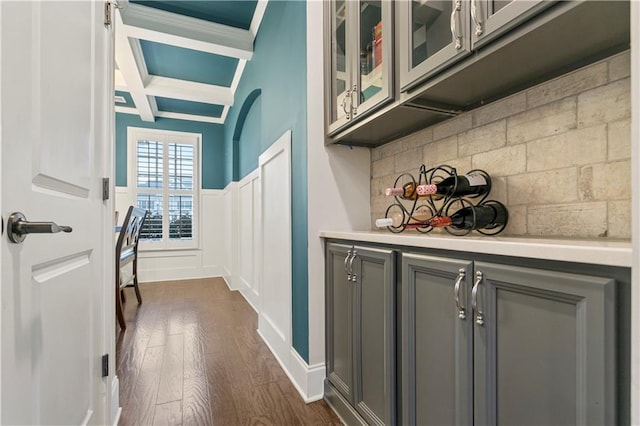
(182, 59)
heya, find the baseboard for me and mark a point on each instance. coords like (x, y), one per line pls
(173, 274)
(308, 380)
(115, 409)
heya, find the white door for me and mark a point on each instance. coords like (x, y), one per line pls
(54, 130)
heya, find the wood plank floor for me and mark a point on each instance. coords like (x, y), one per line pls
(191, 356)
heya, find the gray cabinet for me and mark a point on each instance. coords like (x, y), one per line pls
(360, 321)
(505, 344)
(359, 49)
(435, 34)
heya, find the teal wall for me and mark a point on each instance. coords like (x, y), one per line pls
(213, 173)
(279, 69)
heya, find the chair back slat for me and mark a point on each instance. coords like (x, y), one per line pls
(130, 232)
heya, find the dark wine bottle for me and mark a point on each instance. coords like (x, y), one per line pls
(485, 216)
(473, 183)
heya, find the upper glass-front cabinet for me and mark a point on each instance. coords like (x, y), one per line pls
(436, 33)
(361, 59)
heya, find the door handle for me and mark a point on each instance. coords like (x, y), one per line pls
(18, 227)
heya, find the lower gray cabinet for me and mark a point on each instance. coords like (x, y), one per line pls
(360, 329)
(488, 344)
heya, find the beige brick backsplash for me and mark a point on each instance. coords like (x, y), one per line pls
(505, 161)
(438, 152)
(452, 126)
(576, 147)
(482, 139)
(606, 181)
(620, 66)
(558, 154)
(409, 160)
(569, 84)
(417, 139)
(580, 220)
(619, 219)
(383, 167)
(500, 109)
(537, 123)
(619, 138)
(605, 104)
(517, 224)
(391, 149)
(554, 186)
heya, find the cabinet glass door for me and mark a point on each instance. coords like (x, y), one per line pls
(341, 54)
(374, 41)
(433, 35)
(491, 18)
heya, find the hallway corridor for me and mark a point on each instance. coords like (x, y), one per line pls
(191, 356)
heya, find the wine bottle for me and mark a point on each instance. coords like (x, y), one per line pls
(419, 220)
(473, 183)
(407, 191)
(486, 216)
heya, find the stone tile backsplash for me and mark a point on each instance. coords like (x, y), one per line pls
(558, 153)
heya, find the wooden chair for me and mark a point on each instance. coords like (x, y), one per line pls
(127, 253)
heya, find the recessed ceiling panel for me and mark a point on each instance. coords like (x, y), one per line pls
(232, 13)
(187, 64)
(188, 107)
(128, 100)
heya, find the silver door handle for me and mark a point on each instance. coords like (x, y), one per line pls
(456, 295)
(474, 16)
(353, 274)
(454, 27)
(474, 299)
(346, 261)
(18, 227)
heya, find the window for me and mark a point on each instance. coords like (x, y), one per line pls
(165, 180)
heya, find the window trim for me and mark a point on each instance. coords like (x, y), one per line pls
(134, 134)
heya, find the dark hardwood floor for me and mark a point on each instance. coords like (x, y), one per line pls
(191, 356)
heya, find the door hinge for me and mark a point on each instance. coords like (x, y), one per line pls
(105, 189)
(105, 365)
(107, 14)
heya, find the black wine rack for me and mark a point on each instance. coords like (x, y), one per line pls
(437, 205)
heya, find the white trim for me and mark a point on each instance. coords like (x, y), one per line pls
(258, 14)
(132, 71)
(183, 31)
(119, 81)
(238, 75)
(277, 334)
(135, 134)
(225, 111)
(635, 213)
(188, 90)
(126, 110)
(190, 117)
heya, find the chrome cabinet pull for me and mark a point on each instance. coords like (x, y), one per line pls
(474, 16)
(344, 104)
(454, 28)
(474, 299)
(346, 261)
(456, 294)
(353, 274)
(354, 106)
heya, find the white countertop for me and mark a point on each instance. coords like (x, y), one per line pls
(611, 253)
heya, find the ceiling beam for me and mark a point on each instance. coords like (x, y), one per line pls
(190, 117)
(188, 90)
(119, 81)
(258, 14)
(134, 70)
(156, 25)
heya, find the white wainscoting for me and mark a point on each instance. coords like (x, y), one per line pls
(205, 261)
(249, 229)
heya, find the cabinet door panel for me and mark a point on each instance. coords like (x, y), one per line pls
(375, 336)
(339, 322)
(340, 62)
(545, 352)
(433, 35)
(491, 18)
(436, 343)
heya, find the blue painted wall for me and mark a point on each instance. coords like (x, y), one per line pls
(213, 174)
(279, 69)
